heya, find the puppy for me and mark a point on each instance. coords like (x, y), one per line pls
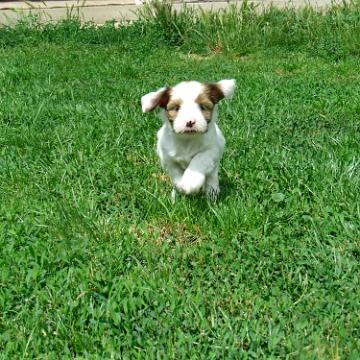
(190, 144)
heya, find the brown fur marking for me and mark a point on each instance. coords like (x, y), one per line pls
(206, 104)
(171, 109)
(164, 98)
(214, 92)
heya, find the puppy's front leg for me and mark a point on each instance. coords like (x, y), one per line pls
(194, 176)
(212, 184)
(175, 172)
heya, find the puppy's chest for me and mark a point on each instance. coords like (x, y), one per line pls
(182, 155)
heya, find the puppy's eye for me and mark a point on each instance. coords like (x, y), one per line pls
(174, 108)
(203, 107)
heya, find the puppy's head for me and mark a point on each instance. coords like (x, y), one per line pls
(189, 107)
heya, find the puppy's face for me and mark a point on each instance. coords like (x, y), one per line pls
(189, 106)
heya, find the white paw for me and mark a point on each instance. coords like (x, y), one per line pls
(191, 182)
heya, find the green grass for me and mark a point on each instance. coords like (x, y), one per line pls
(96, 263)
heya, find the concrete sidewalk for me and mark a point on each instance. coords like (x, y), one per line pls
(100, 11)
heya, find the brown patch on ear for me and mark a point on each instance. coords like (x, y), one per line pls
(161, 99)
(164, 98)
(214, 92)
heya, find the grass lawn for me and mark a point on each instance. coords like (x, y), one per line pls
(95, 262)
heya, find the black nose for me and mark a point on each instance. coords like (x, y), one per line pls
(190, 124)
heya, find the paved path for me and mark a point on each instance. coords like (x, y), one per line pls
(100, 11)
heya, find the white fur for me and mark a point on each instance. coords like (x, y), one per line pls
(191, 159)
(227, 87)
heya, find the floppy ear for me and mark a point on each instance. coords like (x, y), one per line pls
(156, 98)
(220, 90)
(227, 87)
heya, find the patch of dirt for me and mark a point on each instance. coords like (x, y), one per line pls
(165, 232)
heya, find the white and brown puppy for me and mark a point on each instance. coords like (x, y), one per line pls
(190, 144)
